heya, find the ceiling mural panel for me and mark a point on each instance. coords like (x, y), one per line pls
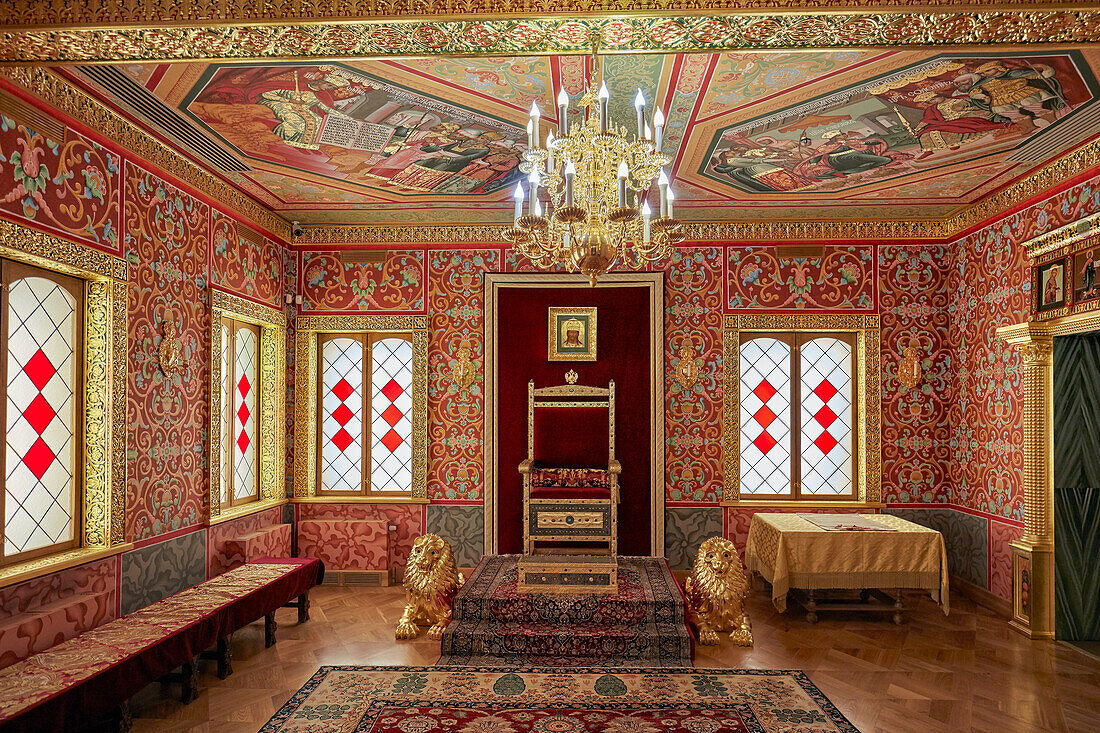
(784, 135)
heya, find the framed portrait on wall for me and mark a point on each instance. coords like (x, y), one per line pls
(571, 334)
(1086, 274)
(1052, 285)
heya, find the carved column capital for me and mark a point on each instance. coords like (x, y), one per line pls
(1037, 352)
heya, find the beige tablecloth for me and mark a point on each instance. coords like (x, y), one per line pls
(791, 552)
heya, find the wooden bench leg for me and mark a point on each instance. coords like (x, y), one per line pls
(270, 626)
(899, 606)
(303, 608)
(811, 607)
(188, 677)
(223, 656)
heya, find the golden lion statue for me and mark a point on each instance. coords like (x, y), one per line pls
(431, 580)
(716, 591)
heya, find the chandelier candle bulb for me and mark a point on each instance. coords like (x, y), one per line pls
(563, 113)
(624, 173)
(550, 153)
(659, 129)
(570, 172)
(648, 132)
(662, 186)
(639, 104)
(534, 179)
(646, 213)
(603, 96)
(533, 128)
(519, 201)
(671, 198)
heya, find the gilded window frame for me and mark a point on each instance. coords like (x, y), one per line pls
(868, 379)
(106, 334)
(306, 354)
(271, 426)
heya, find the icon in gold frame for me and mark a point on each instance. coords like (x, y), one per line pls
(571, 334)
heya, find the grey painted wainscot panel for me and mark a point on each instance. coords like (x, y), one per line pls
(159, 570)
(685, 529)
(966, 537)
(462, 526)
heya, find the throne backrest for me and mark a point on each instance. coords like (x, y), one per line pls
(571, 426)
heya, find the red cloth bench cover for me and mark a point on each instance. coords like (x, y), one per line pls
(345, 544)
(270, 541)
(82, 679)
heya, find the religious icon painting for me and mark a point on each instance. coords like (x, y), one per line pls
(571, 334)
(1052, 285)
(1085, 275)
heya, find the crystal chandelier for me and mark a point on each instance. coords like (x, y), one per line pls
(596, 180)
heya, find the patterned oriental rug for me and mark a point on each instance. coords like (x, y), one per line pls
(481, 700)
(642, 625)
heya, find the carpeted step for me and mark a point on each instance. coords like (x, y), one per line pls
(643, 624)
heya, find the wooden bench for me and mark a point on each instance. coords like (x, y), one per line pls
(90, 676)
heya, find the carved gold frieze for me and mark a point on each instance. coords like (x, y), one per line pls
(868, 380)
(551, 26)
(306, 355)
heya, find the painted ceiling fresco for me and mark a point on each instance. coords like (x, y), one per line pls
(847, 134)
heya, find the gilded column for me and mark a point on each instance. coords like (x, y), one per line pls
(1033, 554)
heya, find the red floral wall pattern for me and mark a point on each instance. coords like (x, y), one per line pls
(456, 419)
(395, 284)
(693, 419)
(841, 278)
(913, 298)
(243, 266)
(166, 239)
(69, 185)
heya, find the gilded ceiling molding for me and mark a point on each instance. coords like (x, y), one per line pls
(63, 96)
(237, 31)
(63, 13)
(1063, 237)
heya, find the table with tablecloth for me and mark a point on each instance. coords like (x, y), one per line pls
(790, 551)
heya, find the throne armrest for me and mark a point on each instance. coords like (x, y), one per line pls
(614, 467)
(526, 466)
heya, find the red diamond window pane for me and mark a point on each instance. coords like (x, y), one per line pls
(341, 415)
(825, 442)
(243, 413)
(242, 441)
(825, 416)
(764, 442)
(392, 415)
(764, 416)
(825, 390)
(39, 413)
(39, 369)
(243, 386)
(391, 440)
(392, 390)
(342, 390)
(764, 391)
(342, 439)
(39, 458)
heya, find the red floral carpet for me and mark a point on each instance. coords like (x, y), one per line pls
(642, 625)
(482, 700)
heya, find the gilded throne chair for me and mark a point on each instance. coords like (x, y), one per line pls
(570, 489)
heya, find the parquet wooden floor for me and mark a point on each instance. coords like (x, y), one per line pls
(964, 672)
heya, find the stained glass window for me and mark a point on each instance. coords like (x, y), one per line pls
(341, 432)
(797, 415)
(365, 415)
(240, 358)
(41, 383)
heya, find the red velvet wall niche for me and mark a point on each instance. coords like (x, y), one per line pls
(623, 354)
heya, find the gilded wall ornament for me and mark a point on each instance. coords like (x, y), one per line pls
(909, 368)
(687, 373)
(463, 371)
(170, 352)
(571, 377)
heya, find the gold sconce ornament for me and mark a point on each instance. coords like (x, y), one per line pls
(909, 368)
(431, 581)
(170, 351)
(687, 373)
(463, 371)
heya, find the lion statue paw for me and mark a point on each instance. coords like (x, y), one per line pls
(431, 581)
(716, 591)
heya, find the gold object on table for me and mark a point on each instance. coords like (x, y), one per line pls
(909, 368)
(716, 591)
(431, 580)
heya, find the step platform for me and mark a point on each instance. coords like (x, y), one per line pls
(589, 574)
